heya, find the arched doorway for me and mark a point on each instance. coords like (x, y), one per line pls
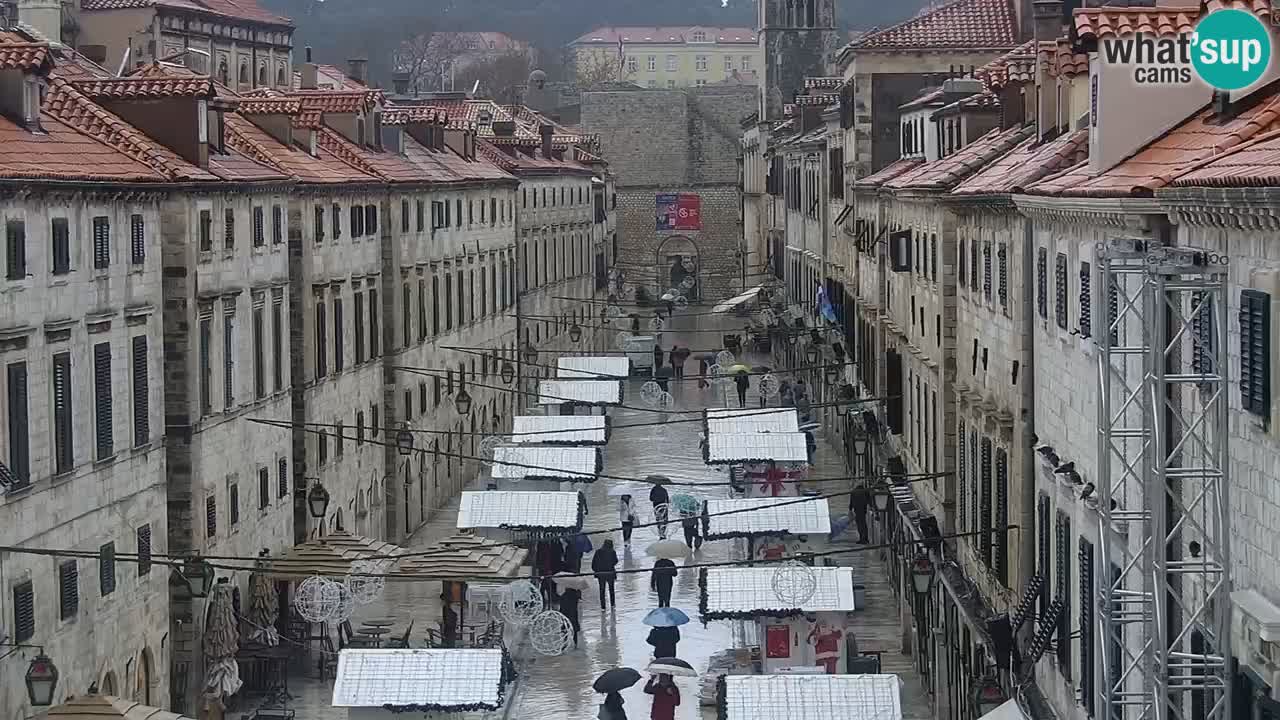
(677, 264)
(108, 686)
(146, 675)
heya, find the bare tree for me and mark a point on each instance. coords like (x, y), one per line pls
(596, 67)
(426, 56)
(500, 77)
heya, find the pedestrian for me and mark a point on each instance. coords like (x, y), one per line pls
(660, 499)
(582, 504)
(784, 394)
(702, 374)
(612, 709)
(661, 579)
(810, 445)
(664, 640)
(657, 356)
(550, 557)
(859, 501)
(743, 382)
(627, 515)
(666, 697)
(576, 547)
(604, 564)
(689, 522)
(679, 356)
(569, 600)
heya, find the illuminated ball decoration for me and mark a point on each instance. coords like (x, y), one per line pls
(770, 386)
(681, 302)
(521, 602)
(365, 581)
(655, 323)
(794, 583)
(345, 606)
(316, 599)
(724, 359)
(623, 339)
(550, 633)
(488, 446)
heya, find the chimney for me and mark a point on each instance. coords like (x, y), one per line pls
(959, 89)
(44, 16)
(810, 117)
(442, 125)
(456, 140)
(310, 73)
(420, 130)
(546, 131)
(20, 98)
(1047, 15)
(358, 70)
(400, 82)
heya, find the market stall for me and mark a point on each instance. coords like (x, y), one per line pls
(546, 462)
(463, 684)
(810, 697)
(588, 367)
(772, 462)
(795, 633)
(749, 420)
(560, 429)
(772, 527)
(571, 394)
(549, 512)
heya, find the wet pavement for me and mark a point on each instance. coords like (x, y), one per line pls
(560, 686)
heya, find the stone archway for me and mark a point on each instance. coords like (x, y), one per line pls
(146, 677)
(109, 686)
(676, 258)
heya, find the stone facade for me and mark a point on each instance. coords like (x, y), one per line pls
(798, 40)
(103, 491)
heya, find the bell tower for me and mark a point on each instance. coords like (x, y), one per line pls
(798, 39)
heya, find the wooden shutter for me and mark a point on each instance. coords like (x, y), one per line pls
(1087, 687)
(962, 480)
(264, 487)
(206, 364)
(420, 212)
(137, 240)
(24, 611)
(282, 477)
(63, 436)
(975, 261)
(259, 362)
(357, 221)
(103, 426)
(1043, 551)
(233, 503)
(1255, 352)
(986, 270)
(277, 225)
(107, 569)
(1060, 290)
(258, 235)
(1002, 275)
(404, 216)
(211, 517)
(277, 343)
(19, 424)
(339, 341)
(228, 360)
(318, 224)
(229, 228)
(374, 312)
(1002, 517)
(1042, 282)
(339, 439)
(371, 219)
(206, 231)
(15, 250)
(141, 393)
(962, 261)
(322, 361)
(1203, 340)
(893, 386)
(144, 550)
(68, 590)
(1062, 559)
(358, 313)
(984, 510)
(1086, 300)
(61, 246)
(101, 242)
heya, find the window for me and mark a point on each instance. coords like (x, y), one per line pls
(673, 64)
(371, 219)
(19, 432)
(259, 238)
(141, 393)
(986, 270)
(228, 358)
(633, 64)
(359, 428)
(1042, 283)
(1062, 557)
(60, 236)
(698, 36)
(137, 240)
(1255, 352)
(933, 242)
(322, 448)
(1060, 290)
(1203, 340)
(404, 216)
(68, 590)
(1087, 600)
(63, 456)
(1043, 551)
(322, 353)
(962, 266)
(233, 502)
(458, 215)
(373, 421)
(728, 64)
(339, 439)
(671, 84)
(421, 211)
(357, 221)
(107, 569)
(143, 535)
(15, 250)
(358, 313)
(277, 225)
(24, 611)
(335, 219)
(746, 63)
(435, 306)
(101, 242)
(259, 365)
(406, 315)
(282, 478)
(700, 63)
(277, 343)
(1086, 300)
(984, 508)
(339, 340)
(264, 487)
(206, 231)
(652, 65)
(962, 480)
(1002, 517)
(448, 301)
(229, 229)
(206, 367)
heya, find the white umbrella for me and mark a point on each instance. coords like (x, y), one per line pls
(671, 666)
(565, 581)
(669, 549)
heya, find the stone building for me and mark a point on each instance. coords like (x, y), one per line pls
(798, 39)
(662, 141)
(667, 57)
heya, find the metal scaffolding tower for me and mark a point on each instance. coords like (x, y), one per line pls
(1163, 596)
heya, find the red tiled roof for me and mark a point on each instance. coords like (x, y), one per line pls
(952, 169)
(235, 9)
(19, 55)
(665, 35)
(448, 166)
(889, 172)
(963, 24)
(1176, 152)
(1061, 60)
(270, 106)
(1253, 164)
(152, 86)
(405, 114)
(387, 166)
(1103, 22)
(1017, 65)
(337, 101)
(933, 95)
(61, 153)
(1027, 163)
(321, 168)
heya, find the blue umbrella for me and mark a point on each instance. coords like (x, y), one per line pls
(665, 617)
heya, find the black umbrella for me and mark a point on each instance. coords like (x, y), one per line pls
(616, 680)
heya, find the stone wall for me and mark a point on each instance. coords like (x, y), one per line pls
(670, 141)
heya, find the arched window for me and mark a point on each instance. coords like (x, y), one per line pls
(262, 76)
(244, 74)
(280, 81)
(811, 13)
(222, 72)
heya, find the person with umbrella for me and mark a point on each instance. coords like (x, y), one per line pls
(661, 579)
(569, 600)
(664, 640)
(604, 564)
(660, 499)
(613, 682)
(743, 381)
(666, 697)
(612, 709)
(689, 521)
(627, 515)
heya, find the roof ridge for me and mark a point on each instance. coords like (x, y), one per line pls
(252, 148)
(329, 140)
(863, 41)
(1234, 142)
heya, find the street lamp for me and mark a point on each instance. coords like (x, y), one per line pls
(508, 372)
(42, 679)
(529, 353)
(318, 501)
(575, 333)
(833, 373)
(462, 401)
(811, 355)
(860, 449)
(193, 580)
(988, 695)
(922, 573)
(880, 496)
(404, 442)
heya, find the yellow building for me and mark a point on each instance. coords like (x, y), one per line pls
(668, 57)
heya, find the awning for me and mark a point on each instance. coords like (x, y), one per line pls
(811, 697)
(542, 462)
(584, 392)
(730, 593)
(594, 367)
(330, 556)
(766, 516)
(518, 510)
(737, 300)
(729, 448)
(560, 429)
(104, 707)
(463, 557)
(1008, 711)
(445, 680)
(777, 420)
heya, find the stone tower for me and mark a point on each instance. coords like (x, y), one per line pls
(799, 39)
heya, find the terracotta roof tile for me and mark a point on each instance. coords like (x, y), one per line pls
(235, 9)
(61, 153)
(947, 172)
(665, 35)
(889, 172)
(386, 166)
(25, 56)
(1096, 23)
(338, 101)
(930, 96)
(237, 166)
(448, 166)
(1027, 163)
(321, 168)
(1172, 155)
(1061, 60)
(270, 106)
(153, 87)
(1252, 164)
(969, 24)
(1017, 65)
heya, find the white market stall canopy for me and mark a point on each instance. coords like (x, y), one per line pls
(587, 392)
(560, 429)
(771, 420)
(544, 462)
(518, 510)
(732, 593)
(767, 516)
(729, 448)
(452, 680)
(812, 697)
(598, 367)
(737, 300)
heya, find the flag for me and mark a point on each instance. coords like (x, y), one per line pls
(622, 56)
